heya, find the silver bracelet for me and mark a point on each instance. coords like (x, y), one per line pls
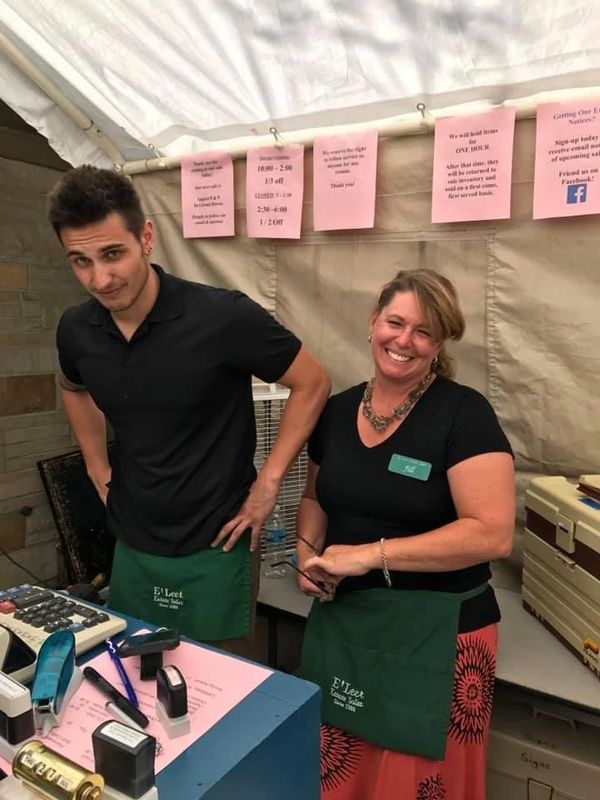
(386, 571)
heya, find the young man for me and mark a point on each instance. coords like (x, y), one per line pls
(169, 363)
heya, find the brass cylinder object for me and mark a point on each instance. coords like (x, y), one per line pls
(54, 777)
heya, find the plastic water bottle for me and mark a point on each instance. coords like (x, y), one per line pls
(274, 545)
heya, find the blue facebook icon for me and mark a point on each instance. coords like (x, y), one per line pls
(577, 193)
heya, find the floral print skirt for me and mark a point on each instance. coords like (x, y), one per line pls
(352, 769)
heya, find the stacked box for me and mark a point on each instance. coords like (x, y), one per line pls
(534, 757)
(561, 561)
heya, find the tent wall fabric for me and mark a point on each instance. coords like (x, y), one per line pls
(172, 78)
(529, 291)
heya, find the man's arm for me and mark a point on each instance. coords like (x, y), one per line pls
(309, 387)
(89, 426)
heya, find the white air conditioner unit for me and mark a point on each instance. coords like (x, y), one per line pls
(269, 403)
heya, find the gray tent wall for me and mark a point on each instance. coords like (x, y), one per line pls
(530, 291)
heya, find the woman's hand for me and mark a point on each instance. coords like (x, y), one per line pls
(343, 560)
(328, 582)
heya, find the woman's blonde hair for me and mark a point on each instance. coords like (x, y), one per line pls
(439, 303)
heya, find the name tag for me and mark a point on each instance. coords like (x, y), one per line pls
(411, 467)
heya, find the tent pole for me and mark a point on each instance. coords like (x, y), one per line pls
(423, 121)
(237, 148)
(71, 110)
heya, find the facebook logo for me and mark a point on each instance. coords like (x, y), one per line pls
(577, 193)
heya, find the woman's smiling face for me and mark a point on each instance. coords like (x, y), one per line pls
(403, 342)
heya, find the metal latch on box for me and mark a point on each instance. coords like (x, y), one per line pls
(565, 534)
(538, 791)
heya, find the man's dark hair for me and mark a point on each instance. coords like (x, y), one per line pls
(86, 194)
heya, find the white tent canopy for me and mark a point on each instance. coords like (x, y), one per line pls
(176, 76)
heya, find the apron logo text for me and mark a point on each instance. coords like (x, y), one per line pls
(165, 598)
(345, 695)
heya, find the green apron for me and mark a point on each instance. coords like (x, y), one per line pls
(385, 662)
(206, 595)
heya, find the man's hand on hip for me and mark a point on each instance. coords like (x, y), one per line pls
(252, 515)
(101, 483)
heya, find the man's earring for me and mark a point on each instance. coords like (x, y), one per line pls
(370, 338)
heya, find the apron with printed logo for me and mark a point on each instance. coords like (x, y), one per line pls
(205, 595)
(384, 659)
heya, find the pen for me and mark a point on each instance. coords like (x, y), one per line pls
(112, 651)
(116, 712)
(115, 696)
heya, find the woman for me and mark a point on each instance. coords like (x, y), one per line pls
(410, 493)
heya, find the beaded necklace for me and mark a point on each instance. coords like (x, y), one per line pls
(378, 421)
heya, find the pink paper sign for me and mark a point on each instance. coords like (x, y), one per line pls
(274, 190)
(472, 165)
(207, 207)
(345, 172)
(567, 159)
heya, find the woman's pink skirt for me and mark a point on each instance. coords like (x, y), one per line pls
(352, 769)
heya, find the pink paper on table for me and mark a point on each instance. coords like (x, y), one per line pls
(567, 159)
(274, 190)
(207, 207)
(345, 173)
(472, 166)
(215, 684)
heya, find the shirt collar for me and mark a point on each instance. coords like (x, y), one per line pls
(168, 305)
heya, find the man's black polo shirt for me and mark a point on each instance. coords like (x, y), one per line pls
(179, 399)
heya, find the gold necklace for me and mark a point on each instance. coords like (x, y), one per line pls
(378, 421)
